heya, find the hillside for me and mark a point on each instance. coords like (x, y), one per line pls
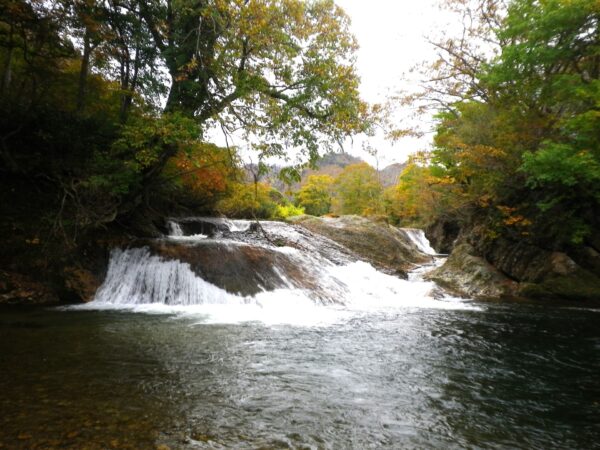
(330, 164)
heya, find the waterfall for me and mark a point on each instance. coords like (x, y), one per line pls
(239, 275)
(174, 229)
(418, 238)
(135, 276)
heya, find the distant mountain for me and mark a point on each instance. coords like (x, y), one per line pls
(390, 175)
(330, 164)
(338, 159)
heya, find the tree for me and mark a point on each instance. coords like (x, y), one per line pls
(283, 71)
(315, 195)
(521, 146)
(421, 196)
(551, 72)
(257, 200)
(204, 175)
(358, 191)
(105, 103)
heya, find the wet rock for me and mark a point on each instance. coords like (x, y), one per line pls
(81, 283)
(208, 226)
(466, 274)
(386, 247)
(442, 235)
(20, 289)
(242, 269)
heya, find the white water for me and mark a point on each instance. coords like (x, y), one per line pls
(176, 233)
(418, 238)
(174, 229)
(140, 281)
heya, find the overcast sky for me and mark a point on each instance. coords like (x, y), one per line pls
(392, 38)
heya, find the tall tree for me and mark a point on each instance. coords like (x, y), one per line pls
(281, 70)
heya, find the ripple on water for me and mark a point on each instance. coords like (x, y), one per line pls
(502, 376)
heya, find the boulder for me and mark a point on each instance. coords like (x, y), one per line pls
(247, 269)
(388, 248)
(466, 274)
(23, 290)
(80, 284)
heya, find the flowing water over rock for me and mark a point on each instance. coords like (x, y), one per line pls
(339, 356)
(284, 272)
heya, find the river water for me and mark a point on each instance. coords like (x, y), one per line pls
(408, 372)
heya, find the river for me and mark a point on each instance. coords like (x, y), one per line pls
(407, 371)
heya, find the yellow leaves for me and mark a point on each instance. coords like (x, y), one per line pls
(512, 218)
(484, 201)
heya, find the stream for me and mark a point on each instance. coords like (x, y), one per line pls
(338, 355)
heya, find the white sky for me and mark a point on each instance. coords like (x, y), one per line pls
(392, 38)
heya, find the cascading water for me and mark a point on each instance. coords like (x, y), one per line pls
(135, 276)
(174, 229)
(272, 272)
(418, 238)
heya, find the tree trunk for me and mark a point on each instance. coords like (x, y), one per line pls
(7, 74)
(83, 73)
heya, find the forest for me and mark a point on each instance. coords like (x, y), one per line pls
(193, 256)
(108, 109)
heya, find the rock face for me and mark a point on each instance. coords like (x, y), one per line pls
(386, 247)
(81, 283)
(484, 268)
(18, 289)
(546, 274)
(464, 273)
(442, 235)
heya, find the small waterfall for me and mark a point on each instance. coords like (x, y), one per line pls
(135, 276)
(174, 229)
(418, 238)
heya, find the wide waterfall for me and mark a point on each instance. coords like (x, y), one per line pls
(268, 271)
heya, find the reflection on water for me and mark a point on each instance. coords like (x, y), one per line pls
(503, 376)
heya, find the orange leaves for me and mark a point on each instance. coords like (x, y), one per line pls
(512, 218)
(206, 171)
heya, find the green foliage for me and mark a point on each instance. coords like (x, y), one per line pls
(416, 199)
(521, 152)
(144, 140)
(560, 165)
(250, 200)
(315, 196)
(358, 191)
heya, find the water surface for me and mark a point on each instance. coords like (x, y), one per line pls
(490, 376)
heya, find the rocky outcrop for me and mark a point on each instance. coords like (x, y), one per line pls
(240, 268)
(80, 284)
(546, 274)
(466, 274)
(386, 247)
(56, 274)
(496, 268)
(442, 235)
